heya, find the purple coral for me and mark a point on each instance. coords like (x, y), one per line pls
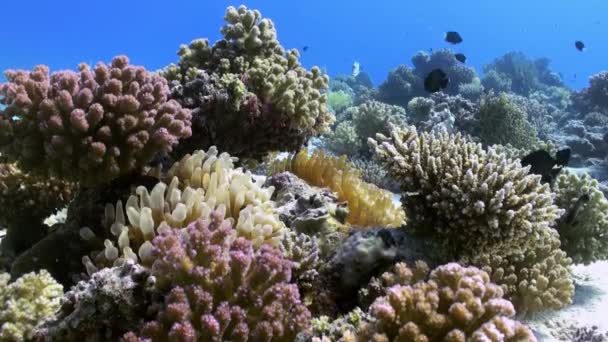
(89, 126)
(221, 289)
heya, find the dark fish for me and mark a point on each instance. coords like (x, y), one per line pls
(453, 37)
(435, 81)
(460, 57)
(573, 212)
(562, 157)
(580, 46)
(541, 163)
(305, 48)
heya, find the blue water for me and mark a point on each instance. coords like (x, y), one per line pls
(379, 34)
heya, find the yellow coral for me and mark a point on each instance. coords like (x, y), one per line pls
(368, 205)
(193, 187)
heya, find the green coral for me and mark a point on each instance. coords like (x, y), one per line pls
(26, 303)
(501, 121)
(339, 100)
(583, 229)
(367, 119)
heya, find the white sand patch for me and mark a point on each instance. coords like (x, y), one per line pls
(590, 306)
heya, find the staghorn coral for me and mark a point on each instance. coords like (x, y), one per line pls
(534, 279)
(583, 229)
(468, 198)
(221, 288)
(456, 303)
(247, 83)
(501, 121)
(89, 126)
(368, 205)
(364, 121)
(191, 189)
(26, 303)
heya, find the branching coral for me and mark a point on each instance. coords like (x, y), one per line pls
(443, 112)
(365, 120)
(501, 121)
(536, 278)
(339, 100)
(583, 229)
(597, 92)
(400, 87)
(471, 199)
(89, 126)
(192, 189)
(247, 83)
(368, 205)
(26, 303)
(222, 288)
(521, 74)
(455, 304)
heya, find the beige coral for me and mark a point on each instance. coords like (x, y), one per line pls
(470, 198)
(193, 187)
(456, 304)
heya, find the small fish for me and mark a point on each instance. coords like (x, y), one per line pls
(435, 81)
(305, 48)
(573, 212)
(541, 163)
(580, 46)
(574, 76)
(460, 57)
(453, 37)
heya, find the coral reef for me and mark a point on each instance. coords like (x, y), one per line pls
(456, 304)
(501, 121)
(400, 86)
(25, 201)
(247, 83)
(362, 122)
(339, 100)
(368, 205)
(534, 279)
(27, 303)
(221, 288)
(191, 189)
(443, 59)
(442, 112)
(517, 73)
(471, 199)
(89, 126)
(104, 307)
(373, 172)
(583, 229)
(310, 210)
